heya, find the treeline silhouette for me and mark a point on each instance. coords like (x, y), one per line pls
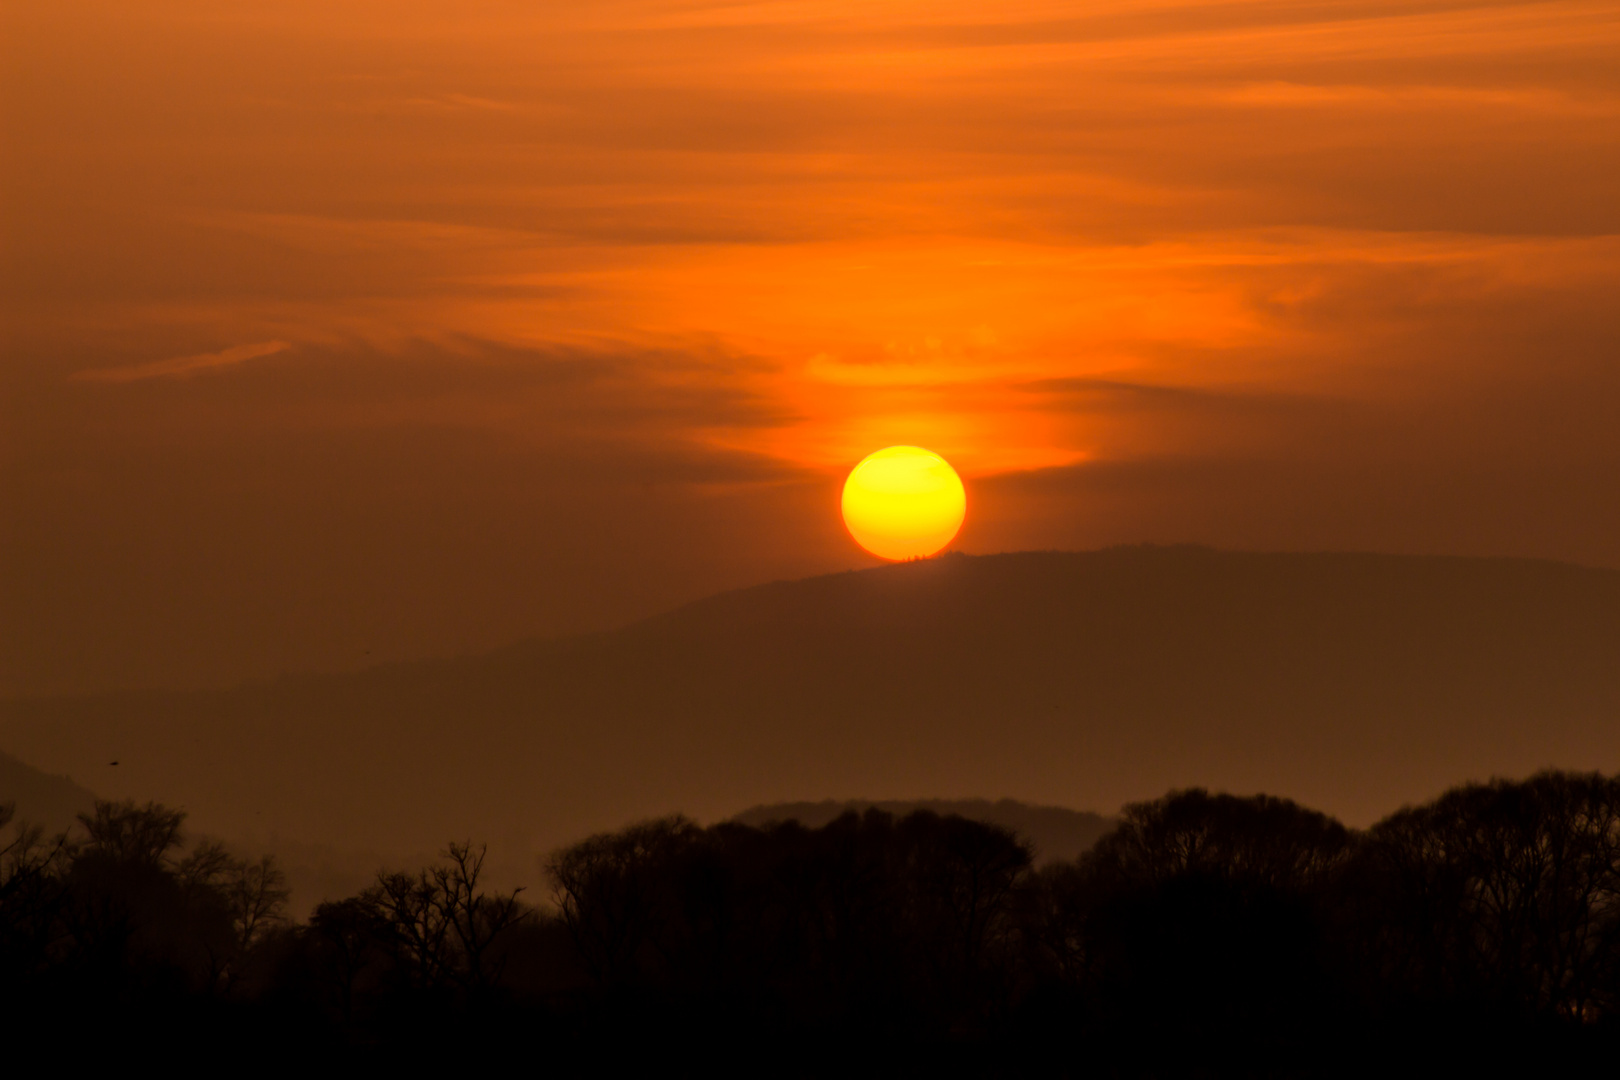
(1207, 935)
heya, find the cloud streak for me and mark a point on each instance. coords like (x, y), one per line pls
(180, 366)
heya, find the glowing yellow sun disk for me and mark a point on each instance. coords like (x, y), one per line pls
(903, 502)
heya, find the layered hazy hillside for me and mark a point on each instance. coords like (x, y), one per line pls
(1352, 682)
(51, 802)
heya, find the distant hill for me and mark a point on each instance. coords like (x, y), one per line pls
(1351, 682)
(1057, 834)
(53, 802)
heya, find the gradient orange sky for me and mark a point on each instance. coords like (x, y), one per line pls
(344, 332)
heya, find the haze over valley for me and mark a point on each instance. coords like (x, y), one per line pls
(1354, 683)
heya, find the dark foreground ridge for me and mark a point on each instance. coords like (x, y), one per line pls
(1207, 935)
(1355, 683)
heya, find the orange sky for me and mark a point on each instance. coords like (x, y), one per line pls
(346, 331)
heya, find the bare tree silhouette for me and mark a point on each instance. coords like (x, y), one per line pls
(1509, 890)
(972, 870)
(608, 894)
(442, 927)
(31, 870)
(1260, 840)
(128, 833)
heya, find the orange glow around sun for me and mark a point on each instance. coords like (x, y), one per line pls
(903, 502)
(1044, 237)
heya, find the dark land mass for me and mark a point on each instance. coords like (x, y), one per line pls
(1054, 833)
(1206, 935)
(1352, 682)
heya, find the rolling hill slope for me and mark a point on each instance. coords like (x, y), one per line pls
(51, 802)
(1351, 682)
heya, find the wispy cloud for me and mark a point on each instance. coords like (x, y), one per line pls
(182, 365)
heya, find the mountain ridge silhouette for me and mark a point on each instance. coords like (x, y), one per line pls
(1352, 682)
(40, 798)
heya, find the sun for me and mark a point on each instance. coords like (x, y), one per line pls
(903, 502)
